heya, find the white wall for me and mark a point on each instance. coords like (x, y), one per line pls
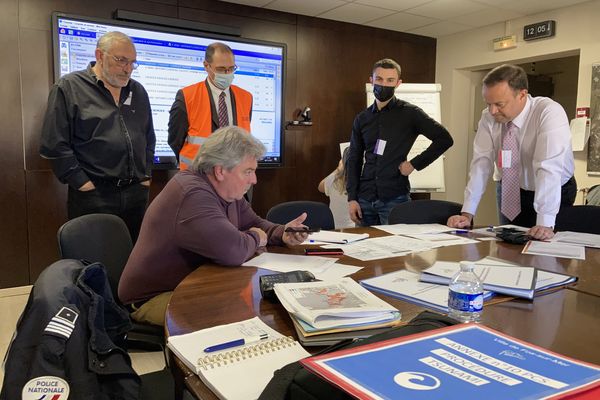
(459, 54)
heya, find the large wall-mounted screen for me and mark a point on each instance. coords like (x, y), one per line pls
(170, 59)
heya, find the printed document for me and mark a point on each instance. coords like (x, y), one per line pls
(583, 239)
(513, 280)
(554, 249)
(465, 361)
(409, 229)
(332, 304)
(405, 285)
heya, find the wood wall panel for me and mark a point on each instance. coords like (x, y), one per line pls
(36, 51)
(47, 211)
(13, 213)
(327, 65)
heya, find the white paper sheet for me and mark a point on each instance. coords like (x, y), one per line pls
(583, 239)
(286, 262)
(554, 249)
(406, 229)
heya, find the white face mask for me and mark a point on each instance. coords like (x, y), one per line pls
(222, 81)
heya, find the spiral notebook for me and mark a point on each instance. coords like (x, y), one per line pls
(250, 366)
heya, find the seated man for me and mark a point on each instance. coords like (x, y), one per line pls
(200, 216)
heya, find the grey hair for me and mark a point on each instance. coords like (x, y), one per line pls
(387, 63)
(227, 147)
(106, 41)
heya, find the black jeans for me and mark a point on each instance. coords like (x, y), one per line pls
(527, 217)
(128, 202)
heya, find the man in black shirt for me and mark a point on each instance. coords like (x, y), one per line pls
(383, 134)
(99, 137)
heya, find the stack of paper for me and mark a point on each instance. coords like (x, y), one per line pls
(311, 336)
(500, 276)
(405, 285)
(334, 304)
(513, 280)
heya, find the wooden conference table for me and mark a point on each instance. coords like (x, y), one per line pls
(566, 321)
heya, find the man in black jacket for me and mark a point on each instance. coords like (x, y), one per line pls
(98, 135)
(383, 134)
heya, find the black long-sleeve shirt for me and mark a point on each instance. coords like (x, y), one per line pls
(398, 123)
(87, 136)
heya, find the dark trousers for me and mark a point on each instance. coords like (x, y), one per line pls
(527, 217)
(128, 202)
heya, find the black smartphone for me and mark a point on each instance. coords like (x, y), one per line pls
(515, 236)
(302, 229)
(324, 252)
(267, 282)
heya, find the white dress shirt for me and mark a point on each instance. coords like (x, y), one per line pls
(216, 92)
(546, 156)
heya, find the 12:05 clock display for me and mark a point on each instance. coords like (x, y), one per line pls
(539, 30)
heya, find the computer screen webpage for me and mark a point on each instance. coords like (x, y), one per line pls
(169, 61)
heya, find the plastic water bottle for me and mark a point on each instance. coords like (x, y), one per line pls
(465, 297)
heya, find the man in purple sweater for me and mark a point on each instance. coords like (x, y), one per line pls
(200, 216)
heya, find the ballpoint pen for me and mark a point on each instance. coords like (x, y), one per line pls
(235, 343)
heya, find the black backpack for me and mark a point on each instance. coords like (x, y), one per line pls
(293, 382)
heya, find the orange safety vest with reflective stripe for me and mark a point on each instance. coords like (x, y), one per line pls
(197, 104)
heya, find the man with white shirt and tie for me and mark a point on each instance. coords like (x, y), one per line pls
(529, 139)
(206, 106)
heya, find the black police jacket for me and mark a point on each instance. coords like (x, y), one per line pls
(71, 332)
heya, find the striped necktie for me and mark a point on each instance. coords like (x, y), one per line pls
(223, 118)
(511, 173)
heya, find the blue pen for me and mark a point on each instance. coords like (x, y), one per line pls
(460, 231)
(236, 343)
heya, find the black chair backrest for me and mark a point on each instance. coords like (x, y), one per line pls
(97, 238)
(424, 212)
(584, 219)
(319, 214)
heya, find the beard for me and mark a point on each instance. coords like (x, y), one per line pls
(115, 80)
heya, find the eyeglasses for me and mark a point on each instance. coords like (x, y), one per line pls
(123, 62)
(225, 70)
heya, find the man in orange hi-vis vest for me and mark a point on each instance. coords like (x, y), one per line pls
(202, 108)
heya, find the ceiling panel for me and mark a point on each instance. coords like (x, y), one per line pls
(433, 18)
(401, 22)
(445, 9)
(356, 13)
(305, 7)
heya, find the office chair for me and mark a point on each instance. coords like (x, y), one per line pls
(584, 219)
(424, 212)
(104, 238)
(319, 214)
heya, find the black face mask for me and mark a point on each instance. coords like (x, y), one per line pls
(383, 93)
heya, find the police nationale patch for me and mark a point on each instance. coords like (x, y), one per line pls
(46, 388)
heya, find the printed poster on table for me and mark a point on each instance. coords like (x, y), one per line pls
(463, 361)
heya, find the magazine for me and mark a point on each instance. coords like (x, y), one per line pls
(333, 304)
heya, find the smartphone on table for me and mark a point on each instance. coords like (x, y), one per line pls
(324, 252)
(302, 229)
